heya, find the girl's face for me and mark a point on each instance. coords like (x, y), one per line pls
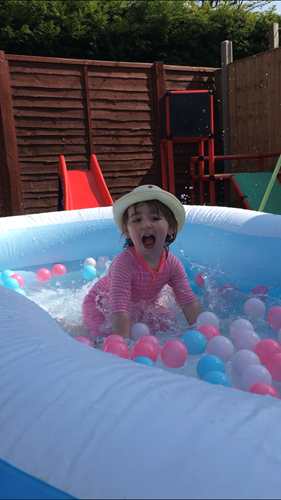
(147, 230)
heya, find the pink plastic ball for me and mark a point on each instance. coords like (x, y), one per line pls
(43, 274)
(254, 308)
(247, 339)
(85, 340)
(254, 374)
(174, 353)
(207, 318)
(19, 279)
(118, 348)
(150, 339)
(138, 330)
(199, 280)
(242, 359)
(239, 325)
(266, 348)
(222, 347)
(260, 290)
(209, 332)
(264, 390)
(113, 338)
(58, 270)
(144, 349)
(274, 366)
(274, 317)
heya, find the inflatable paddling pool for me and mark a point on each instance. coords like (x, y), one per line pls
(78, 422)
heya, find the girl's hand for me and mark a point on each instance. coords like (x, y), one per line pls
(191, 310)
(120, 324)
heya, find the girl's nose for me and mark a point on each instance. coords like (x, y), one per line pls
(146, 223)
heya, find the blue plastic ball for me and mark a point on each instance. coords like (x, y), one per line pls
(195, 342)
(245, 288)
(194, 287)
(89, 272)
(209, 363)
(143, 360)
(218, 378)
(20, 291)
(6, 274)
(11, 283)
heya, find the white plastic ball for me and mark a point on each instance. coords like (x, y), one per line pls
(247, 339)
(255, 308)
(222, 347)
(242, 359)
(255, 374)
(90, 262)
(238, 325)
(102, 260)
(207, 318)
(138, 330)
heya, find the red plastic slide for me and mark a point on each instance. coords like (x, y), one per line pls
(83, 188)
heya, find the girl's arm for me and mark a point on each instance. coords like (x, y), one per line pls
(191, 310)
(120, 324)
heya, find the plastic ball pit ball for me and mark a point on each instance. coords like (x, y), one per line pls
(174, 353)
(266, 348)
(143, 360)
(217, 378)
(222, 347)
(90, 262)
(264, 390)
(199, 280)
(58, 270)
(118, 349)
(102, 261)
(195, 342)
(274, 317)
(43, 274)
(138, 330)
(113, 338)
(5, 275)
(89, 272)
(254, 374)
(241, 359)
(85, 340)
(209, 363)
(209, 332)
(239, 325)
(11, 283)
(144, 349)
(150, 339)
(274, 366)
(260, 290)
(246, 339)
(20, 291)
(254, 308)
(207, 318)
(19, 279)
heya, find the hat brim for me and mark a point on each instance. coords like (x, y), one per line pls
(168, 199)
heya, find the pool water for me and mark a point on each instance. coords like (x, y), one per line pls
(62, 298)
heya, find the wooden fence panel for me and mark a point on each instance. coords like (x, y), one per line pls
(254, 106)
(77, 107)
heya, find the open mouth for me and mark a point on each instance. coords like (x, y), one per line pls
(148, 240)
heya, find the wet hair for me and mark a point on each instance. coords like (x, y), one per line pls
(161, 210)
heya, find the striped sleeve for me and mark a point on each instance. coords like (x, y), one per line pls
(122, 272)
(179, 282)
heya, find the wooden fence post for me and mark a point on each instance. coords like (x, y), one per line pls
(273, 36)
(159, 89)
(226, 59)
(88, 105)
(11, 170)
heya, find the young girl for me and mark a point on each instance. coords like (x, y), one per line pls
(150, 219)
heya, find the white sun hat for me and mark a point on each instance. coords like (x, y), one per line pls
(146, 193)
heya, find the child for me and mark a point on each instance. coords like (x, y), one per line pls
(150, 219)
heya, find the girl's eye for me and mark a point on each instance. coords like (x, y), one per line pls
(136, 220)
(155, 217)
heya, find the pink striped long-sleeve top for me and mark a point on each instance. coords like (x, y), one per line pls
(130, 279)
